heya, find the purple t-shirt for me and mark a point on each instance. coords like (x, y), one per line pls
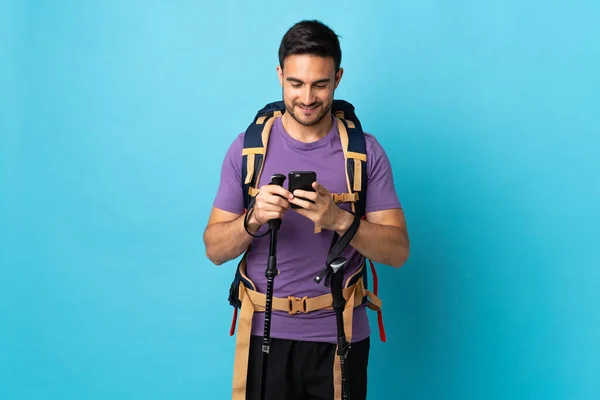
(301, 253)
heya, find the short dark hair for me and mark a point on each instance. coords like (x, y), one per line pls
(311, 37)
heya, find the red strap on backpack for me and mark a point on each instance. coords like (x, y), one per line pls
(379, 314)
(232, 330)
(235, 310)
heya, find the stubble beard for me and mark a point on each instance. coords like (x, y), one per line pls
(311, 122)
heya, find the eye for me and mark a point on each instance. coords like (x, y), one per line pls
(296, 85)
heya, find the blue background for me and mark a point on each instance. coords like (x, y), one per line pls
(114, 120)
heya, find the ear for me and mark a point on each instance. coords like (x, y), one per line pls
(280, 75)
(338, 76)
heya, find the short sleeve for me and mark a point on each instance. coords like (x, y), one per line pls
(381, 192)
(229, 196)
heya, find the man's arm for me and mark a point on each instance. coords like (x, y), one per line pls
(383, 237)
(225, 237)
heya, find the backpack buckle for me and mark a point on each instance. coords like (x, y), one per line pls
(297, 305)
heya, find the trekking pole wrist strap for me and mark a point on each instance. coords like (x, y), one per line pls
(247, 217)
(339, 246)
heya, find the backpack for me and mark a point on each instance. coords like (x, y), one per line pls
(256, 140)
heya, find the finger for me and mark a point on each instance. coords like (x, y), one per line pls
(272, 200)
(271, 215)
(306, 194)
(322, 190)
(275, 190)
(278, 201)
(272, 208)
(302, 203)
(302, 212)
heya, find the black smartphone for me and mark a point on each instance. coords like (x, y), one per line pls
(302, 180)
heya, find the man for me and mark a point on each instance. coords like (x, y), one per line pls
(306, 138)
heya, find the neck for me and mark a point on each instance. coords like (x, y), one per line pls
(306, 134)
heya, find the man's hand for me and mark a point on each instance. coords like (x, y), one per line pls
(270, 203)
(323, 211)
(382, 237)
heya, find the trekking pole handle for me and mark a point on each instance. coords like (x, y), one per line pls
(276, 179)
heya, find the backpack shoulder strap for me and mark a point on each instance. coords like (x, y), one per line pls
(355, 154)
(256, 139)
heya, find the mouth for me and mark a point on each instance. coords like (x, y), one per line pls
(308, 110)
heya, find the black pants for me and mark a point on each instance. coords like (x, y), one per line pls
(304, 370)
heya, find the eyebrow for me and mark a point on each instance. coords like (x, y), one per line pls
(292, 79)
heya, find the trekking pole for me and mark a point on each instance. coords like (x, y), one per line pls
(270, 273)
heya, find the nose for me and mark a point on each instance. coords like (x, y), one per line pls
(307, 96)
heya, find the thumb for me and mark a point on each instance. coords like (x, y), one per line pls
(321, 189)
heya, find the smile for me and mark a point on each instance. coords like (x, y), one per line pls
(308, 108)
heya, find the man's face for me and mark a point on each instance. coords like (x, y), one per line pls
(308, 84)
